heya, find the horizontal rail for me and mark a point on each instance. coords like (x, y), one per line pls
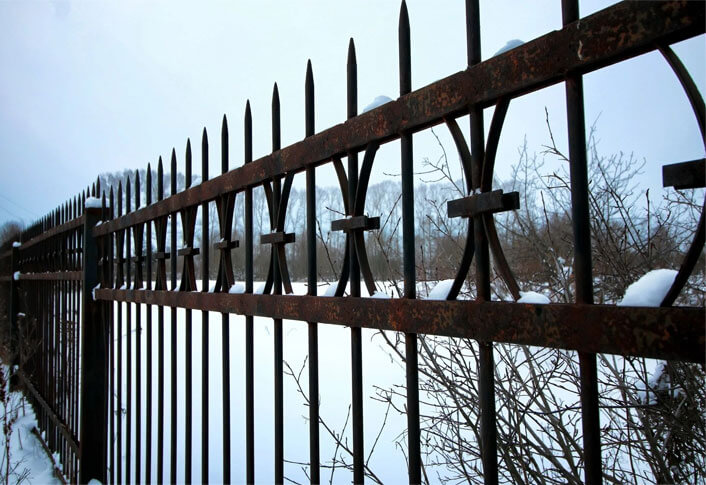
(63, 429)
(54, 231)
(611, 35)
(665, 333)
(53, 276)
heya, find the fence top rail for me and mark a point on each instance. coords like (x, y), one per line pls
(54, 231)
(611, 35)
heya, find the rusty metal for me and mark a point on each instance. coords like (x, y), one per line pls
(529, 67)
(51, 258)
(661, 333)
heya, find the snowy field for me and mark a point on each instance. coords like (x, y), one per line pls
(28, 462)
(335, 396)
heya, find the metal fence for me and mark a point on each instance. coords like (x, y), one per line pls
(81, 270)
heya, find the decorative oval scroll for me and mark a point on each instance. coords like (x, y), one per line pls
(697, 244)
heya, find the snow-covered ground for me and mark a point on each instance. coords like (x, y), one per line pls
(379, 369)
(29, 463)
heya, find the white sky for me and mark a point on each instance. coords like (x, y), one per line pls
(90, 87)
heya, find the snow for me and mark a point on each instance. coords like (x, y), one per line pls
(16, 244)
(95, 482)
(26, 453)
(237, 289)
(658, 381)
(16, 275)
(533, 297)
(511, 44)
(124, 287)
(649, 290)
(93, 292)
(331, 290)
(380, 295)
(260, 289)
(93, 203)
(378, 101)
(21, 315)
(441, 290)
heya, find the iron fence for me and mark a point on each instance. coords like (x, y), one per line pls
(81, 272)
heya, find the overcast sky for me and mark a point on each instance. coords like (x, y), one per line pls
(92, 87)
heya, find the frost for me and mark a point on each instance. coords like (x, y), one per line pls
(237, 289)
(533, 297)
(93, 292)
(378, 101)
(511, 44)
(649, 290)
(441, 290)
(93, 203)
(16, 275)
(16, 244)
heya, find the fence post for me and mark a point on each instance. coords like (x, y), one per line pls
(94, 433)
(14, 304)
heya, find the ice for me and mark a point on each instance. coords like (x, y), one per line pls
(441, 290)
(93, 203)
(378, 101)
(237, 289)
(649, 290)
(16, 244)
(533, 297)
(511, 44)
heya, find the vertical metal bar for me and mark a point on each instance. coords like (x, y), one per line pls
(160, 354)
(205, 248)
(249, 362)
(356, 333)
(313, 331)
(225, 337)
(486, 364)
(278, 350)
(119, 335)
(580, 217)
(138, 343)
(128, 344)
(93, 438)
(111, 346)
(407, 169)
(148, 424)
(172, 358)
(188, 346)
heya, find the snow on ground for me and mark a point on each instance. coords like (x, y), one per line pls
(29, 462)
(335, 395)
(649, 290)
(441, 290)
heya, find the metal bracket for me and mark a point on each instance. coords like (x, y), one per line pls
(485, 202)
(356, 223)
(685, 175)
